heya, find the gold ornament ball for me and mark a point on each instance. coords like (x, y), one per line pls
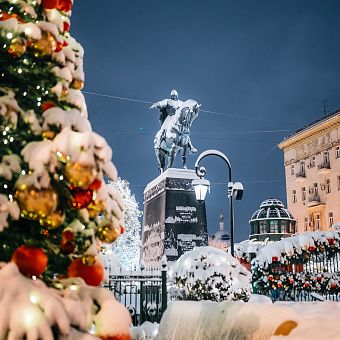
(77, 84)
(107, 233)
(36, 203)
(46, 45)
(95, 208)
(48, 134)
(17, 47)
(89, 260)
(80, 175)
(54, 220)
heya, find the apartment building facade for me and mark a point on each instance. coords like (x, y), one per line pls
(312, 169)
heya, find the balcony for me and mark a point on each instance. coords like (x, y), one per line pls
(324, 168)
(300, 176)
(314, 200)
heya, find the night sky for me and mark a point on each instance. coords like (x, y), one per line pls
(265, 67)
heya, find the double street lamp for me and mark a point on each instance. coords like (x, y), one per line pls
(202, 186)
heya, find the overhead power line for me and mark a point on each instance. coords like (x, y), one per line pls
(148, 102)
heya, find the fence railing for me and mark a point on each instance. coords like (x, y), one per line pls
(143, 293)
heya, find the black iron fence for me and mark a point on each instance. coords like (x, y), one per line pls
(143, 293)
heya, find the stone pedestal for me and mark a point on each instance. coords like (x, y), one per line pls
(173, 221)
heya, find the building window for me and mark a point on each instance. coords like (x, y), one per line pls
(338, 182)
(274, 226)
(294, 196)
(326, 157)
(317, 222)
(263, 225)
(303, 193)
(302, 167)
(328, 186)
(284, 227)
(330, 219)
(292, 169)
(316, 189)
(337, 152)
(312, 162)
(306, 224)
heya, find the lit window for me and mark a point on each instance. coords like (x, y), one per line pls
(292, 169)
(306, 223)
(274, 226)
(303, 193)
(263, 225)
(337, 152)
(330, 219)
(317, 224)
(294, 196)
(328, 186)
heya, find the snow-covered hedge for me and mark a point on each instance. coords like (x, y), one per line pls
(207, 273)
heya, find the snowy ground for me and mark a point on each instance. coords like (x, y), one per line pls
(206, 320)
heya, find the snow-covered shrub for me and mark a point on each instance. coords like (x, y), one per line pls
(207, 273)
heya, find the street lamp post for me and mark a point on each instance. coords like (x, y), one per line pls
(202, 186)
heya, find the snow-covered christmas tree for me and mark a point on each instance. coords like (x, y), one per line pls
(127, 246)
(55, 209)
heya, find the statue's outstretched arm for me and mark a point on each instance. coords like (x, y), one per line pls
(160, 104)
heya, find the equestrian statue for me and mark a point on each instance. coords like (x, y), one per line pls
(176, 118)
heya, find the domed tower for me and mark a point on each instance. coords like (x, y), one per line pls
(272, 222)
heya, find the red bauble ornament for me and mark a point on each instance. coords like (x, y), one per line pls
(66, 26)
(95, 185)
(92, 275)
(312, 248)
(49, 4)
(64, 5)
(81, 198)
(334, 285)
(30, 260)
(47, 105)
(275, 259)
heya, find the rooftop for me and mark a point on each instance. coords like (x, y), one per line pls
(315, 122)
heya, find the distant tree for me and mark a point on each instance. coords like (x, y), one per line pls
(127, 246)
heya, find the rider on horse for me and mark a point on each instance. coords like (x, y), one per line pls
(167, 107)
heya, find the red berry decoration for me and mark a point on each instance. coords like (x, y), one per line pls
(47, 105)
(331, 241)
(49, 4)
(95, 185)
(122, 229)
(92, 275)
(59, 47)
(30, 260)
(312, 248)
(66, 26)
(275, 259)
(67, 244)
(81, 198)
(64, 5)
